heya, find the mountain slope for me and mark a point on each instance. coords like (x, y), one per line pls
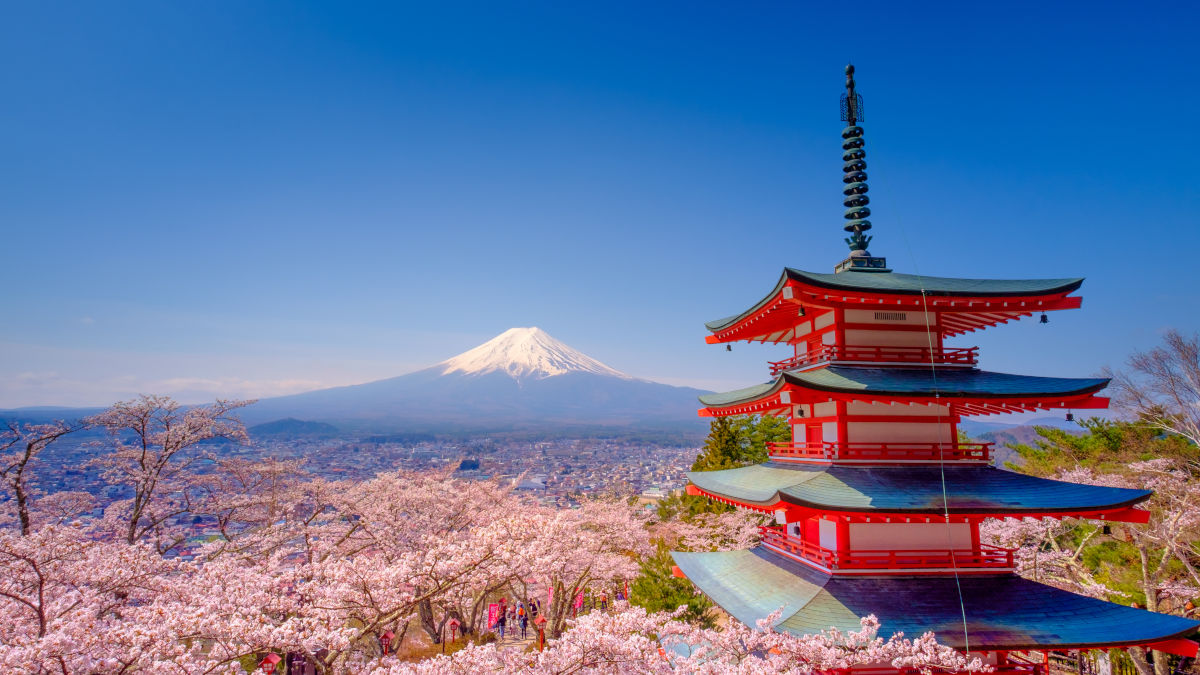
(523, 379)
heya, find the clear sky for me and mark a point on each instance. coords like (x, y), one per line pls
(252, 198)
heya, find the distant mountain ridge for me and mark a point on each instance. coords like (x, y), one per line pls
(523, 379)
(292, 427)
(1004, 435)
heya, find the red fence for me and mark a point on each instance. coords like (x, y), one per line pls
(881, 451)
(967, 356)
(986, 557)
(1007, 669)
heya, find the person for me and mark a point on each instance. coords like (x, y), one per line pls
(522, 619)
(533, 609)
(500, 622)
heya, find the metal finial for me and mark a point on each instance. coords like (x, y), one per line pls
(854, 170)
(851, 102)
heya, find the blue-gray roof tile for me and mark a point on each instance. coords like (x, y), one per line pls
(1003, 612)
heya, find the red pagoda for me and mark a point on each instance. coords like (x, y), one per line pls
(877, 504)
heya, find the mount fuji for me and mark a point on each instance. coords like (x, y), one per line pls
(522, 380)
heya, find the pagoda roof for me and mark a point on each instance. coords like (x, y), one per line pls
(1003, 612)
(908, 289)
(912, 382)
(909, 489)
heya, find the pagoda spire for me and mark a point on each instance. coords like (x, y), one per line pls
(855, 180)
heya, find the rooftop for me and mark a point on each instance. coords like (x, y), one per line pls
(1003, 612)
(942, 382)
(909, 489)
(893, 283)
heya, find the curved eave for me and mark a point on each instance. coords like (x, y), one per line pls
(940, 383)
(883, 492)
(894, 283)
(974, 392)
(725, 323)
(971, 304)
(1003, 612)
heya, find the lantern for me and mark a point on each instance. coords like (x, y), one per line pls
(267, 665)
(540, 622)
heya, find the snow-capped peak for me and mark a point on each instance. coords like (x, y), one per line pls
(525, 353)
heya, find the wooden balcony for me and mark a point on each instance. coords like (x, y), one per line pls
(880, 452)
(945, 356)
(986, 558)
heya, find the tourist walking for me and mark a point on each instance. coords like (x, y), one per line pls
(500, 623)
(522, 619)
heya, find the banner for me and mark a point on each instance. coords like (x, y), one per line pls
(550, 596)
(579, 601)
(493, 614)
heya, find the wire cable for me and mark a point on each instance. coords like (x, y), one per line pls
(941, 446)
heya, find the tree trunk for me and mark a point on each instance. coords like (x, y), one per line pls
(430, 626)
(1149, 588)
(22, 507)
(1141, 661)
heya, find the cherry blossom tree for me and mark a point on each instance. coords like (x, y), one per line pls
(1162, 386)
(20, 445)
(1165, 561)
(322, 568)
(630, 640)
(726, 531)
(1047, 552)
(75, 605)
(255, 503)
(568, 551)
(150, 436)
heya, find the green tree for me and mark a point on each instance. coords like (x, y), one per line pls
(1107, 446)
(722, 449)
(732, 442)
(1156, 565)
(658, 589)
(740, 441)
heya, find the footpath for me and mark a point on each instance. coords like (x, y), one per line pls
(510, 642)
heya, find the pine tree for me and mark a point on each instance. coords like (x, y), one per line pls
(722, 448)
(732, 442)
(657, 589)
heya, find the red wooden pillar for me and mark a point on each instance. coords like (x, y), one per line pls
(840, 408)
(843, 536)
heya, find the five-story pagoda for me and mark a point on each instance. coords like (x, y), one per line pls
(877, 503)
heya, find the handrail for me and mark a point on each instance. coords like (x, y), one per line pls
(1007, 669)
(832, 450)
(962, 356)
(986, 556)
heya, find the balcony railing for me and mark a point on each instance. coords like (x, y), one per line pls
(1006, 669)
(881, 452)
(949, 356)
(986, 557)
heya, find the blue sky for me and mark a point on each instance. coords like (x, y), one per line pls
(246, 199)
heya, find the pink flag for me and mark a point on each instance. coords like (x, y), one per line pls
(493, 614)
(579, 601)
(550, 595)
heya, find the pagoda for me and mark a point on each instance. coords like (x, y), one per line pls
(876, 502)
